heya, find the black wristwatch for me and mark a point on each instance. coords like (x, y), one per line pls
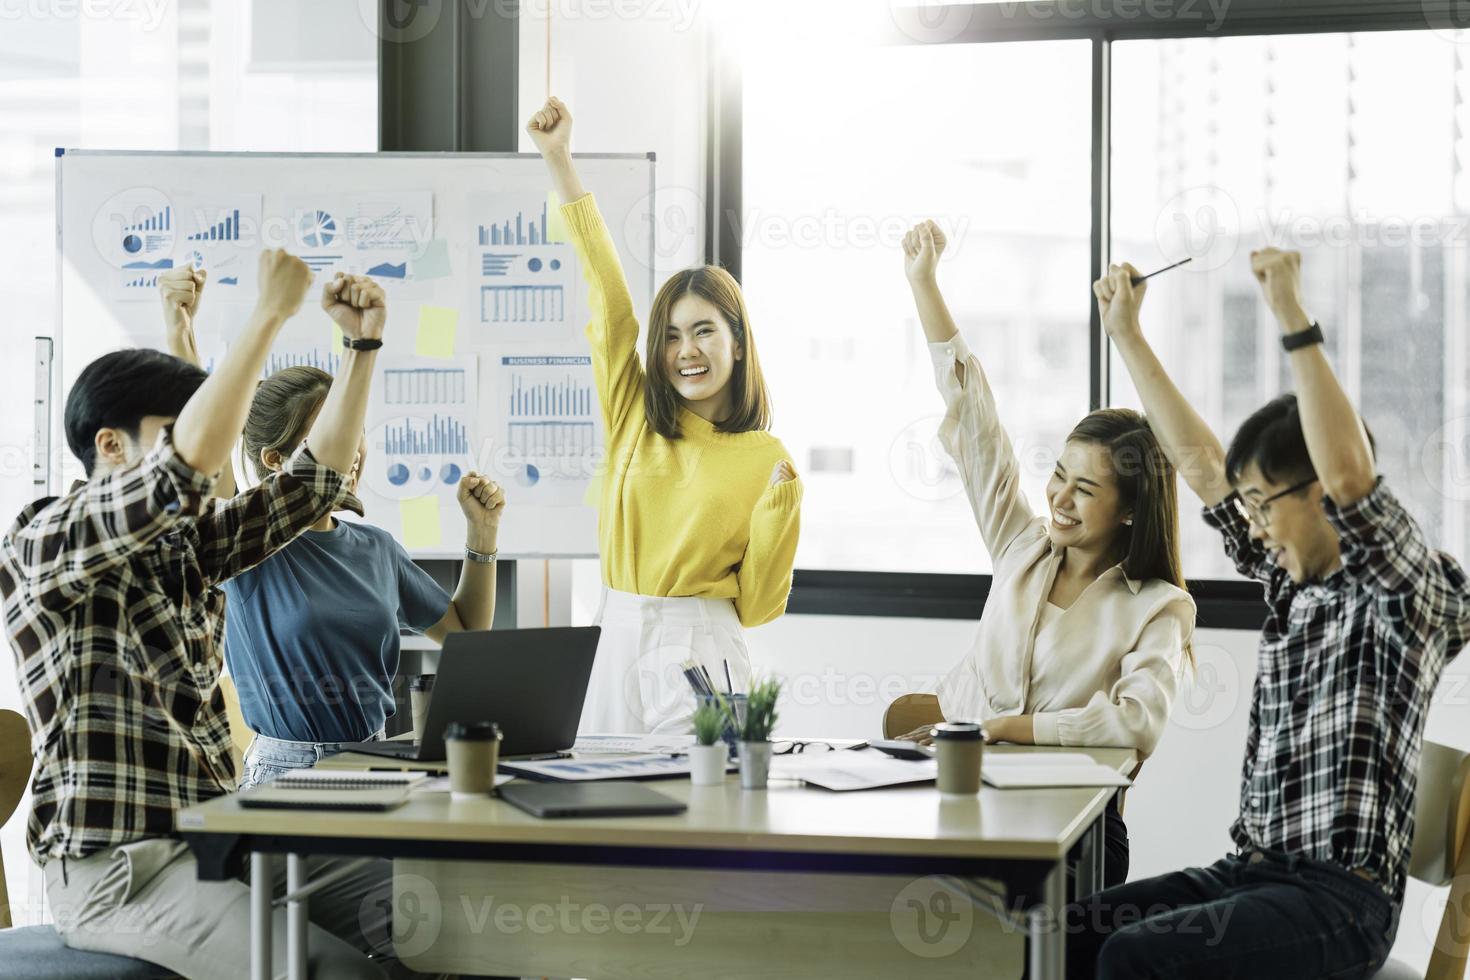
(1304, 338)
(361, 343)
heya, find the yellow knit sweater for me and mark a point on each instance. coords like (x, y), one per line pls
(694, 516)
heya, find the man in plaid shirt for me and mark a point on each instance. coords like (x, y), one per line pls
(111, 608)
(1362, 617)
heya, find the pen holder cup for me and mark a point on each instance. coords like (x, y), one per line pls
(731, 704)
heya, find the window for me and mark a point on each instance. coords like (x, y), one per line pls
(847, 146)
(183, 75)
(1347, 147)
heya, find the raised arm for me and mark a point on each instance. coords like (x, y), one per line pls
(320, 478)
(182, 289)
(551, 130)
(357, 305)
(473, 605)
(213, 419)
(612, 332)
(971, 431)
(1186, 440)
(1336, 440)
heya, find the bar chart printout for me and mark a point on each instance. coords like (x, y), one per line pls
(523, 290)
(421, 429)
(551, 432)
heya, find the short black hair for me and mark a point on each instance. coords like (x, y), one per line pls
(118, 390)
(1272, 438)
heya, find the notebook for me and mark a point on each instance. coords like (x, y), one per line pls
(271, 798)
(347, 779)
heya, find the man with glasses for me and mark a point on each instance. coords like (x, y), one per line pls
(1362, 617)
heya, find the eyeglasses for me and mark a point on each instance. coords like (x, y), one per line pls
(1260, 514)
(793, 747)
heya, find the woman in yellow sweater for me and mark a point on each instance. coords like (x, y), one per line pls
(700, 506)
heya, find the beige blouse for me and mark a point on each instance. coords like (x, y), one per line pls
(1103, 671)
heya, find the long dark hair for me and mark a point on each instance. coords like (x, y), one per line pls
(1146, 484)
(752, 402)
(278, 413)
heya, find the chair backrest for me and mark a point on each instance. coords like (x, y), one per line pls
(1441, 813)
(909, 711)
(1440, 856)
(15, 773)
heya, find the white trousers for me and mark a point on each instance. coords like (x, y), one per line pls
(637, 685)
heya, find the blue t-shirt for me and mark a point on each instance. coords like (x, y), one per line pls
(311, 633)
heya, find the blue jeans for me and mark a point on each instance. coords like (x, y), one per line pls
(269, 757)
(1260, 914)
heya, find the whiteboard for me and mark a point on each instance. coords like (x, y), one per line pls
(485, 362)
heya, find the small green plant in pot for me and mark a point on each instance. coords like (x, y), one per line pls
(709, 754)
(755, 732)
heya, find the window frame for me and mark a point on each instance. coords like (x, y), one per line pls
(1222, 603)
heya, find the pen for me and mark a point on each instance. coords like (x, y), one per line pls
(1135, 280)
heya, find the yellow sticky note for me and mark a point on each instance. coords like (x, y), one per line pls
(336, 339)
(556, 228)
(421, 527)
(437, 327)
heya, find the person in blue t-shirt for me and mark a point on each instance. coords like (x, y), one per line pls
(312, 633)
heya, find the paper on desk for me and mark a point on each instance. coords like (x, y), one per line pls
(1037, 770)
(843, 771)
(612, 767)
(632, 744)
(440, 784)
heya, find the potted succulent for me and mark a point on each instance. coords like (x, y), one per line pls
(755, 733)
(709, 754)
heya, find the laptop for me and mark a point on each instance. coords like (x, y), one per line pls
(529, 682)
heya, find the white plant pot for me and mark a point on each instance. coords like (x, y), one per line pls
(707, 764)
(755, 764)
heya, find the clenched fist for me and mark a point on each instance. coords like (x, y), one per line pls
(357, 305)
(1279, 271)
(922, 246)
(284, 280)
(551, 128)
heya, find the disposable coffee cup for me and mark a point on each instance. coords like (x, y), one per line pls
(473, 748)
(957, 746)
(419, 690)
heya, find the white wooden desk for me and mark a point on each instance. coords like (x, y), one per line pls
(1011, 845)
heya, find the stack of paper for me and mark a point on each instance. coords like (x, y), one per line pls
(612, 767)
(1031, 770)
(851, 770)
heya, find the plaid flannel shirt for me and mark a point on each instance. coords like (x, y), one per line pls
(111, 608)
(1346, 670)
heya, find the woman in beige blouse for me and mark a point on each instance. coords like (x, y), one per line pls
(1087, 622)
